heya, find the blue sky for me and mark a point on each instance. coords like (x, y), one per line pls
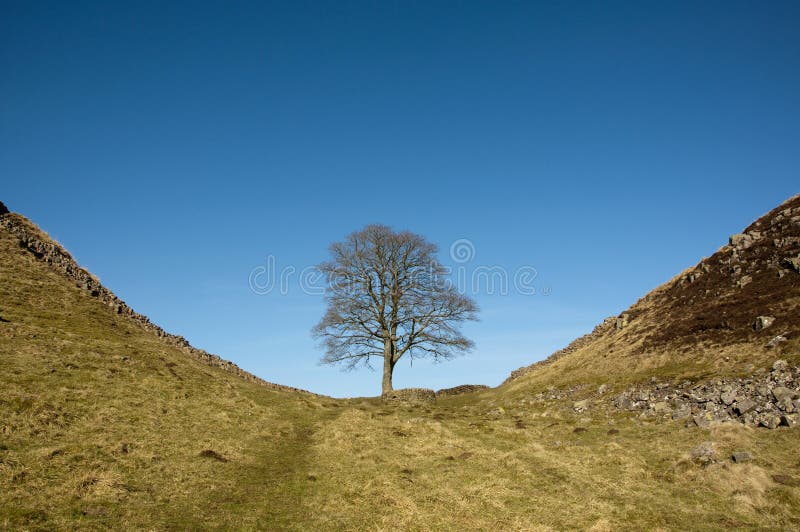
(172, 148)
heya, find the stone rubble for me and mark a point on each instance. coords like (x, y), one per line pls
(766, 399)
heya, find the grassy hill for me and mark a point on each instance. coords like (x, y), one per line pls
(107, 422)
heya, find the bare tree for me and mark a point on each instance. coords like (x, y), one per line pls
(387, 298)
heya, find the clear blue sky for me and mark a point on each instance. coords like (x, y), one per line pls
(172, 146)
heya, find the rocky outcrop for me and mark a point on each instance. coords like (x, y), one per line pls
(769, 398)
(3, 208)
(409, 396)
(464, 388)
(32, 239)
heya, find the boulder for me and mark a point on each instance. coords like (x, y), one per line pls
(762, 322)
(744, 405)
(703, 420)
(661, 407)
(776, 341)
(793, 263)
(741, 457)
(780, 365)
(784, 395)
(741, 241)
(704, 454)
(769, 420)
(581, 406)
(727, 398)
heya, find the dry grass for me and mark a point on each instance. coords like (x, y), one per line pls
(102, 425)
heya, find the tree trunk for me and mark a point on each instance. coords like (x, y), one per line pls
(388, 366)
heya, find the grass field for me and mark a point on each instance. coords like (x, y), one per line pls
(103, 424)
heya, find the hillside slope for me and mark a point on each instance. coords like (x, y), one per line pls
(107, 423)
(702, 323)
(105, 419)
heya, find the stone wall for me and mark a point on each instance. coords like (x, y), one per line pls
(410, 395)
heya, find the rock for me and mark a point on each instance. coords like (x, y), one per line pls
(741, 241)
(3, 208)
(771, 421)
(784, 396)
(496, 412)
(786, 480)
(744, 405)
(602, 389)
(777, 340)
(581, 406)
(623, 403)
(727, 398)
(780, 365)
(703, 420)
(789, 420)
(762, 322)
(681, 413)
(622, 322)
(612, 432)
(793, 263)
(661, 406)
(742, 456)
(704, 454)
(744, 281)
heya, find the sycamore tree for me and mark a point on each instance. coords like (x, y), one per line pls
(389, 297)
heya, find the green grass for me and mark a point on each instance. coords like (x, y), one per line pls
(103, 425)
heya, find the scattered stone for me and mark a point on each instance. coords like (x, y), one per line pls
(681, 413)
(744, 405)
(744, 281)
(762, 322)
(727, 398)
(703, 420)
(581, 406)
(612, 432)
(704, 454)
(786, 480)
(496, 412)
(660, 407)
(602, 389)
(741, 456)
(776, 341)
(788, 420)
(793, 263)
(742, 240)
(780, 365)
(771, 421)
(579, 430)
(622, 322)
